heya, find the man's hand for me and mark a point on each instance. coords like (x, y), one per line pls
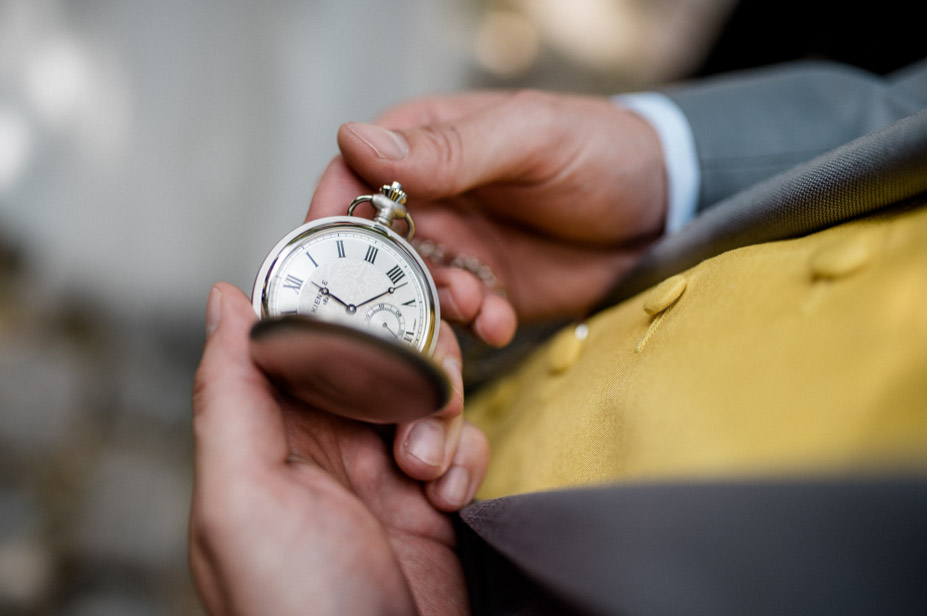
(300, 512)
(559, 195)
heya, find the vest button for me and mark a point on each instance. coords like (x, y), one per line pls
(664, 295)
(841, 258)
(567, 348)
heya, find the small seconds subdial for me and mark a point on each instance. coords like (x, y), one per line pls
(387, 318)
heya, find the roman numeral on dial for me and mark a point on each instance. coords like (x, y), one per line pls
(395, 274)
(292, 282)
(371, 255)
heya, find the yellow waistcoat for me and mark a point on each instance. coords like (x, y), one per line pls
(804, 356)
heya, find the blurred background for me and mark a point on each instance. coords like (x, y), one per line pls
(148, 149)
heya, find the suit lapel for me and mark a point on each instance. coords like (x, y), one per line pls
(727, 547)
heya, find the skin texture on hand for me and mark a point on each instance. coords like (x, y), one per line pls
(297, 511)
(558, 194)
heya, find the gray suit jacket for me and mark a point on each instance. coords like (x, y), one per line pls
(782, 152)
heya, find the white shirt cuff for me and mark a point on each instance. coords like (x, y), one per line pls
(678, 144)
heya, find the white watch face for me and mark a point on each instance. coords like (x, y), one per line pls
(352, 275)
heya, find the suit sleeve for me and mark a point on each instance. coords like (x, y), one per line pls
(751, 125)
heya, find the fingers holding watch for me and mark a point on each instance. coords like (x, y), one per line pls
(423, 448)
(466, 300)
(459, 484)
(444, 450)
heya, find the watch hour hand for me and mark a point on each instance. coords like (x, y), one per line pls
(350, 308)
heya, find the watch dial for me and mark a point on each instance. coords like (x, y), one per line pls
(354, 276)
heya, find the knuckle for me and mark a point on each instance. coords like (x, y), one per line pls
(447, 143)
(201, 388)
(532, 104)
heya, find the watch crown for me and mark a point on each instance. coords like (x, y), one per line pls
(389, 204)
(394, 192)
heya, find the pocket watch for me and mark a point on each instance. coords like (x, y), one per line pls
(356, 272)
(346, 302)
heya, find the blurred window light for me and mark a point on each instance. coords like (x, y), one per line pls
(16, 141)
(507, 43)
(57, 79)
(597, 33)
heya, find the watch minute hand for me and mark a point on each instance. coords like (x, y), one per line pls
(386, 292)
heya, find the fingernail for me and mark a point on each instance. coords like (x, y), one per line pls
(454, 487)
(479, 328)
(426, 442)
(385, 143)
(213, 311)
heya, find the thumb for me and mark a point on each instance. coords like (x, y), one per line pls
(236, 419)
(500, 142)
